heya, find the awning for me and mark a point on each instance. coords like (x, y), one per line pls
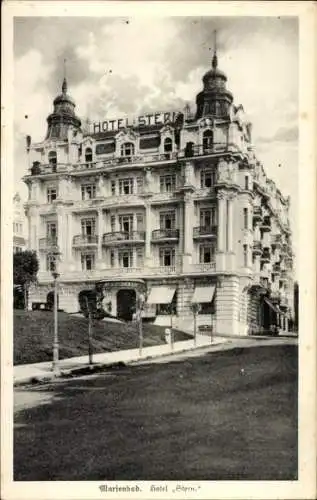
(203, 294)
(272, 306)
(161, 294)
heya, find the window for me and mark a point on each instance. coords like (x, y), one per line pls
(208, 139)
(88, 155)
(127, 149)
(113, 223)
(167, 220)
(51, 230)
(245, 218)
(126, 223)
(189, 149)
(87, 261)
(88, 227)
(245, 255)
(140, 257)
(113, 188)
(166, 309)
(167, 183)
(52, 158)
(208, 217)
(126, 186)
(51, 194)
(167, 257)
(125, 258)
(50, 262)
(168, 145)
(206, 254)
(207, 178)
(88, 191)
(207, 307)
(112, 258)
(246, 182)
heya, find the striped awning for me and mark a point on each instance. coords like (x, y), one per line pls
(161, 294)
(203, 294)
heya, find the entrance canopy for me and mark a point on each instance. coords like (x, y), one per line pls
(161, 294)
(272, 306)
(203, 294)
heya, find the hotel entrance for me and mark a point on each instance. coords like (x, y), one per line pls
(126, 304)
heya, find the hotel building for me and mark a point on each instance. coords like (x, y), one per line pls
(19, 242)
(173, 205)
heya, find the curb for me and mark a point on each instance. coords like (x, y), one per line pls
(96, 367)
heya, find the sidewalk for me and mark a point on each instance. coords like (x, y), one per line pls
(23, 374)
(42, 372)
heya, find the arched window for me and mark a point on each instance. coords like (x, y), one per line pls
(88, 155)
(189, 149)
(127, 149)
(52, 158)
(208, 139)
(168, 145)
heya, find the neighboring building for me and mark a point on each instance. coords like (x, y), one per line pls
(176, 205)
(19, 242)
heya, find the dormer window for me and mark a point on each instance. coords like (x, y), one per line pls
(88, 155)
(168, 145)
(127, 149)
(208, 139)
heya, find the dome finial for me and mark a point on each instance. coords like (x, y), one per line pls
(64, 86)
(215, 59)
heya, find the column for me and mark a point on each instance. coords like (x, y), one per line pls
(188, 225)
(230, 225)
(100, 233)
(148, 234)
(70, 236)
(221, 223)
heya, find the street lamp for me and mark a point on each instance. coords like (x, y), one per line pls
(55, 254)
(55, 341)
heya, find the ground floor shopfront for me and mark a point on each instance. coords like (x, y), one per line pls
(226, 304)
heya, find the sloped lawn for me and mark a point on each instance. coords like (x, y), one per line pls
(33, 336)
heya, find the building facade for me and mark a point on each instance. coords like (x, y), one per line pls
(19, 241)
(173, 205)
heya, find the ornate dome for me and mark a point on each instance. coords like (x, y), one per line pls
(63, 116)
(214, 99)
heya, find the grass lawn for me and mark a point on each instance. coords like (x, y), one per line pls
(33, 336)
(229, 415)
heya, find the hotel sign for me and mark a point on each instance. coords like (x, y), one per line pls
(140, 121)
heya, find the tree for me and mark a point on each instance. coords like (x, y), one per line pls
(25, 268)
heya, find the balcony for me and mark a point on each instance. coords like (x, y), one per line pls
(284, 275)
(160, 235)
(205, 232)
(142, 158)
(201, 268)
(118, 237)
(257, 248)
(276, 268)
(215, 148)
(48, 244)
(266, 255)
(275, 296)
(257, 214)
(266, 223)
(85, 240)
(283, 302)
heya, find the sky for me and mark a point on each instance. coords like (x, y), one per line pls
(120, 67)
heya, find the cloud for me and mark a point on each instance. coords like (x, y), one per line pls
(283, 134)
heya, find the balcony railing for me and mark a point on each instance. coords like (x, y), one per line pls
(123, 236)
(205, 231)
(276, 241)
(202, 267)
(49, 243)
(165, 234)
(277, 268)
(201, 150)
(266, 255)
(85, 239)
